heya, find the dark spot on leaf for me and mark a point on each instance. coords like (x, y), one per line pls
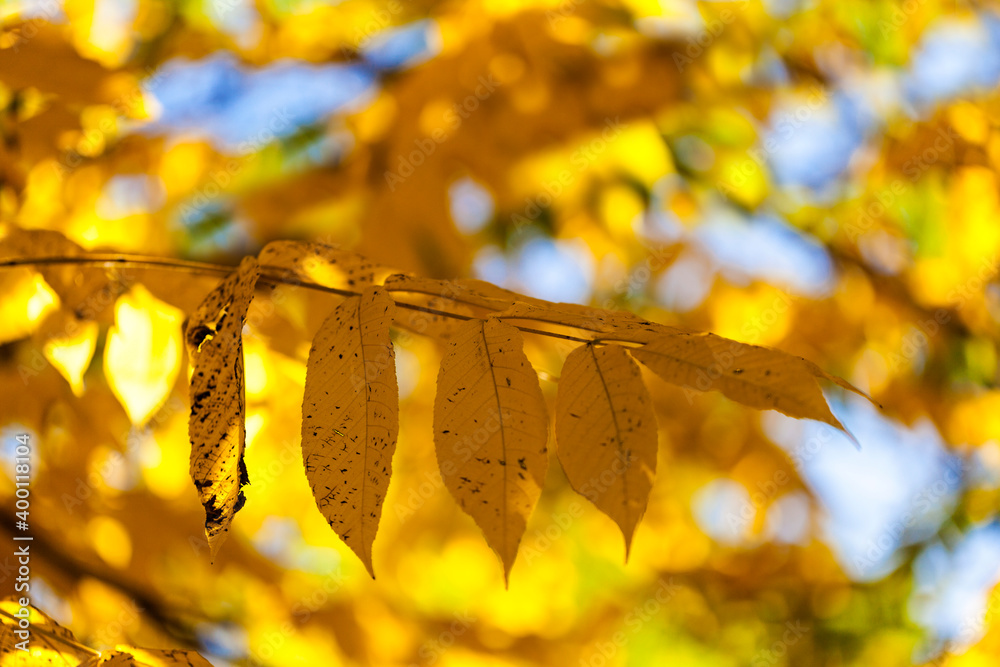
(197, 335)
(244, 476)
(213, 514)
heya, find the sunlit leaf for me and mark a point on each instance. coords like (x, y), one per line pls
(490, 431)
(214, 337)
(27, 300)
(749, 374)
(142, 354)
(606, 432)
(350, 417)
(47, 642)
(69, 345)
(322, 264)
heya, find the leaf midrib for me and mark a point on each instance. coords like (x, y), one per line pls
(503, 443)
(618, 431)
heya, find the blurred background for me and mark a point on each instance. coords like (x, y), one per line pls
(815, 176)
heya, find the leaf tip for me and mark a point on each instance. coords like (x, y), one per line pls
(366, 560)
(837, 424)
(215, 543)
(850, 436)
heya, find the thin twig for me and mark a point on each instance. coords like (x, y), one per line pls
(271, 278)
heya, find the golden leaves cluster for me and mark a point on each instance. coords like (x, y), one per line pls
(491, 423)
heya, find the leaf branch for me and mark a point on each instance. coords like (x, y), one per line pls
(272, 276)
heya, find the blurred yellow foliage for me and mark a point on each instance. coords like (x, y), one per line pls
(840, 157)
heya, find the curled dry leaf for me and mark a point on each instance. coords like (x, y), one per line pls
(350, 417)
(606, 432)
(749, 374)
(214, 338)
(490, 431)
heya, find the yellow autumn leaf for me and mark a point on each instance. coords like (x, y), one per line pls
(450, 290)
(110, 540)
(322, 264)
(490, 431)
(508, 305)
(427, 316)
(606, 432)
(474, 293)
(489, 292)
(27, 301)
(48, 643)
(620, 324)
(749, 374)
(216, 427)
(442, 296)
(350, 417)
(68, 344)
(143, 353)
